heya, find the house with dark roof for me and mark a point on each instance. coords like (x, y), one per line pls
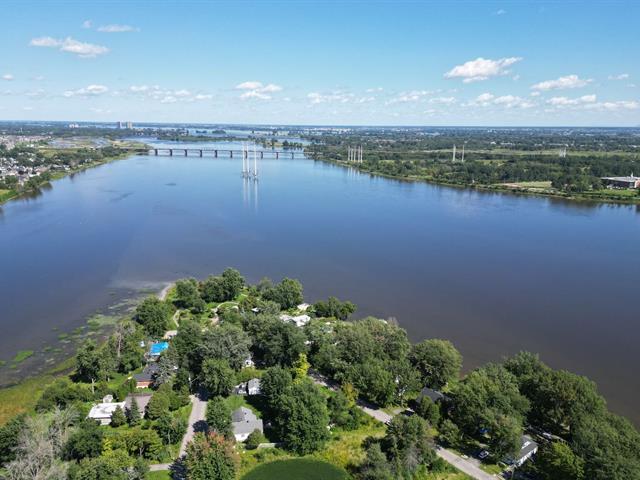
(434, 395)
(244, 421)
(527, 450)
(145, 379)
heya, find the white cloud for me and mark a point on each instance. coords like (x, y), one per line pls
(8, 77)
(535, 94)
(89, 91)
(139, 88)
(507, 101)
(614, 106)
(70, 45)
(622, 76)
(443, 100)
(564, 101)
(182, 93)
(257, 90)
(168, 99)
(374, 90)
(569, 81)
(115, 28)
(500, 12)
(333, 97)
(411, 96)
(87, 24)
(481, 69)
(203, 96)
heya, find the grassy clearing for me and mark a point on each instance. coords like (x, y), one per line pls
(541, 185)
(345, 450)
(161, 475)
(297, 469)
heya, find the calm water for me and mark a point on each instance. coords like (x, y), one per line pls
(494, 273)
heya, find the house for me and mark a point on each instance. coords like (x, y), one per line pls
(434, 395)
(252, 387)
(622, 182)
(244, 421)
(299, 320)
(145, 379)
(156, 349)
(528, 449)
(102, 411)
(142, 399)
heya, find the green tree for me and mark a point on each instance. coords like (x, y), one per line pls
(227, 342)
(86, 441)
(133, 413)
(274, 383)
(438, 362)
(302, 418)
(449, 433)
(408, 445)
(334, 308)
(170, 428)
(288, 293)
(219, 417)
(158, 405)
(188, 295)
(254, 439)
(376, 466)
(9, 437)
(217, 377)
(556, 461)
(428, 409)
(210, 457)
(276, 342)
(118, 417)
(505, 436)
(153, 314)
(90, 363)
(232, 283)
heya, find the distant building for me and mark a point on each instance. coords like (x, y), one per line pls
(145, 379)
(244, 422)
(622, 182)
(102, 411)
(527, 450)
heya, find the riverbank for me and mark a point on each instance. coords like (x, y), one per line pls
(621, 197)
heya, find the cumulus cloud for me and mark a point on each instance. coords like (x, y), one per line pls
(500, 12)
(482, 69)
(89, 91)
(564, 101)
(70, 45)
(411, 96)
(87, 24)
(333, 97)
(569, 81)
(443, 100)
(614, 106)
(257, 90)
(115, 28)
(622, 76)
(507, 101)
(8, 77)
(163, 95)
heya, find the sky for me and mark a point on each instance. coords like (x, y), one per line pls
(352, 62)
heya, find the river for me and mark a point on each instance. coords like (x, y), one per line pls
(495, 273)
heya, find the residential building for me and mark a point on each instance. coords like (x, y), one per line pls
(145, 379)
(244, 421)
(622, 182)
(102, 411)
(527, 450)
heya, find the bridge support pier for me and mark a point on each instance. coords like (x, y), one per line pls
(155, 151)
(215, 154)
(277, 155)
(185, 152)
(201, 153)
(171, 152)
(230, 153)
(261, 154)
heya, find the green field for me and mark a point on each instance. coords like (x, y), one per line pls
(296, 469)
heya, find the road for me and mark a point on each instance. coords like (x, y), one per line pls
(196, 422)
(454, 459)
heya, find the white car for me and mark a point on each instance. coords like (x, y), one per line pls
(483, 454)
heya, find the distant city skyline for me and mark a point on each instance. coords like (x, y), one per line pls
(322, 63)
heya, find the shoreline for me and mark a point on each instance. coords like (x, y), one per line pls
(491, 188)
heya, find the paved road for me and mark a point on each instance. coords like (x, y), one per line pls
(197, 416)
(454, 459)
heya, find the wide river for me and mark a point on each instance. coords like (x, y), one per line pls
(494, 273)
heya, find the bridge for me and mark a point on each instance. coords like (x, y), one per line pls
(215, 152)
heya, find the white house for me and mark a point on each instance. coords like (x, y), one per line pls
(527, 450)
(299, 320)
(244, 422)
(102, 411)
(253, 386)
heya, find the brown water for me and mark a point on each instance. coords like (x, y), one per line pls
(494, 273)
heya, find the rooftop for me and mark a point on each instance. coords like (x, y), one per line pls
(245, 421)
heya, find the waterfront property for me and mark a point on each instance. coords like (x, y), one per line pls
(434, 395)
(244, 421)
(145, 379)
(630, 181)
(102, 411)
(528, 449)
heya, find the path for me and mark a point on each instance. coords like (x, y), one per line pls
(454, 459)
(196, 424)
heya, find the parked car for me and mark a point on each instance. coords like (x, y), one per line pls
(483, 454)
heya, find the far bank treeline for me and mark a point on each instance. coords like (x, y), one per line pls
(492, 156)
(369, 360)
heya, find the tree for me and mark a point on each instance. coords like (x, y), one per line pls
(408, 445)
(217, 377)
(506, 436)
(302, 418)
(219, 417)
(62, 393)
(232, 283)
(170, 428)
(227, 342)
(254, 439)
(188, 296)
(288, 293)
(376, 466)
(449, 433)
(133, 413)
(301, 367)
(274, 383)
(118, 417)
(428, 409)
(90, 363)
(556, 461)
(9, 433)
(153, 314)
(210, 457)
(438, 362)
(158, 405)
(334, 308)
(274, 341)
(86, 441)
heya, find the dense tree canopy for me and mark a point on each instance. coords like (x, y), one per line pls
(210, 457)
(153, 314)
(438, 362)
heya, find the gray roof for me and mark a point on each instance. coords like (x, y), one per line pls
(528, 446)
(142, 399)
(630, 178)
(253, 383)
(245, 421)
(434, 395)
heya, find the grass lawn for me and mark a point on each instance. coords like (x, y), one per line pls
(541, 184)
(344, 449)
(297, 469)
(161, 475)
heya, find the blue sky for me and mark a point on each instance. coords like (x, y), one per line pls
(322, 62)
